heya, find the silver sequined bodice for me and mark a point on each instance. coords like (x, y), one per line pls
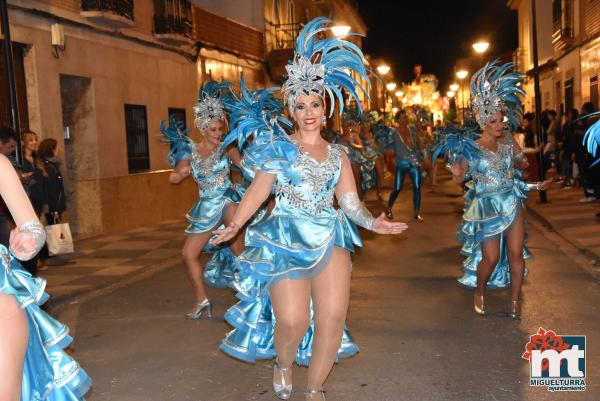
(211, 174)
(308, 187)
(493, 171)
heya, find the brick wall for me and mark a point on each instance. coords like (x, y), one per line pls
(229, 35)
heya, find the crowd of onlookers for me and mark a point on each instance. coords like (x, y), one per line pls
(564, 154)
(40, 174)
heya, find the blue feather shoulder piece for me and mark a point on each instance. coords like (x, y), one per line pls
(591, 140)
(176, 136)
(456, 144)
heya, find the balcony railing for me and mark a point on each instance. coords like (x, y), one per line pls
(172, 19)
(286, 34)
(114, 12)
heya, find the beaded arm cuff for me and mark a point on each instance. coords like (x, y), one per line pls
(30, 233)
(356, 210)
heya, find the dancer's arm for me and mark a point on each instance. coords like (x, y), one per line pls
(180, 172)
(234, 156)
(29, 236)
(258, 191)
(345, 191)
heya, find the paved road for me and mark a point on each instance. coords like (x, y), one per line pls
(419, 338)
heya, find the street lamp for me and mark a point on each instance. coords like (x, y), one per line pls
(383, 69)
(391, 86)
(461, 75)
(481, 46)
(399, 93)
(340, 30)
(450, 93)
(454, 87)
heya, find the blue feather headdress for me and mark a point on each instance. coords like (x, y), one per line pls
(176, 136)
(320, 67)
(210, 107)
(254, 112)
(352, 116)
(494, 88)
(456, 144)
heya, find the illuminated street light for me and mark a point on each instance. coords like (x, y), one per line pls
(450, 93)
(481, 47)
(394, 110)
(462, 74)
(340, 30)
(391, 86)
(383, 69)
(399, 93)
(454, 87)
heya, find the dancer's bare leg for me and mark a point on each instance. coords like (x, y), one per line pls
(331, 295)
(192, 249)
(514, 246)
(490, 256)
(13, 343)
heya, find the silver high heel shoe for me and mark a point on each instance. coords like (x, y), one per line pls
(283, 390)
(310, 395)
(199, 308)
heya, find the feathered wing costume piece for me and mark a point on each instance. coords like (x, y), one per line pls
(456, 144)
(320, 67)
(496, 88)
(177, 137)
(591, 140)
(210, 105)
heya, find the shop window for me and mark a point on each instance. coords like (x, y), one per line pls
(136, 130)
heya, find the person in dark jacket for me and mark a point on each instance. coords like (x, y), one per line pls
(47, 151)
(569, 141)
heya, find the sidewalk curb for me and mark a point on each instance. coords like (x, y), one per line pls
(595, 257)
(57, 304)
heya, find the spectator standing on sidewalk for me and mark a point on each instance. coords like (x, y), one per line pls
(35, 187)
(552, 140)
(569, 147)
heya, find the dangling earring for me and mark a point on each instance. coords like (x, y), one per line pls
(323, 120)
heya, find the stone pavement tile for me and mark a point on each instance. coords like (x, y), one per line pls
(571, 215)
(583, 230)
(134, 245)
(162, 253)
(62, 289)
(138, 262)
(590, 241)
(120, 270)
(59, 279)
(111, 254)
(142, 230)
(92, 262)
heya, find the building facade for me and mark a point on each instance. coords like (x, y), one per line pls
(99, 76)
(568, 33)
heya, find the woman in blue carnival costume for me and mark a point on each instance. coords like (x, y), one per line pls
(208, 162)
(300, 254)
(353, 146)
(494, 222)
(33, 365)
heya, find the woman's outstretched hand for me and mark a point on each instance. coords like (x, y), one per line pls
(383, 226)
(225, 234)
(542, 186)
(23, 244)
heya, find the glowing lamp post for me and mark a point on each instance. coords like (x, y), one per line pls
(340, 30)
(461, 75)
(480, 47)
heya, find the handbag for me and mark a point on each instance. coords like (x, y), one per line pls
(59, 239)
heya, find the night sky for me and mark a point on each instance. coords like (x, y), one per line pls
(435, 33)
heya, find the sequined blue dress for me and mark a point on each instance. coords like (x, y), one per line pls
(295, 242)
(216, 193)
(493, 201)
(370, 153)
(48, 372)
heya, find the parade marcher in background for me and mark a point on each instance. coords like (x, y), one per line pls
(207, 162)
(373, 152)
(33, 365)
(300, 255)
(409, 157)
(350, 139)
(494, 218)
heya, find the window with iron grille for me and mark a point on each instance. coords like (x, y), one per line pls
(173, 16)
(136, 130)
(124, 8)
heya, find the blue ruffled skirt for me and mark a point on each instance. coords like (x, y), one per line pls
(210, 209)
(282, 247)
(48, 372)
(487, 217)
(219, 272)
